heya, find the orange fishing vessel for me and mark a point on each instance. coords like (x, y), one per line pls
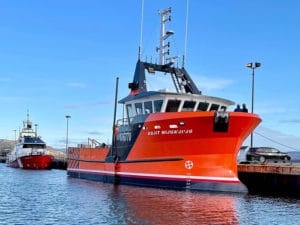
(179, 140)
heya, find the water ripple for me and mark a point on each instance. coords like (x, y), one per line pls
(50, 197)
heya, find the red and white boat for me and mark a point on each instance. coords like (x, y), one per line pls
(29, 151)
(179, 140)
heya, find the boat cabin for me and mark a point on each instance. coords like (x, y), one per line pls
(161, 102)
(32, 142)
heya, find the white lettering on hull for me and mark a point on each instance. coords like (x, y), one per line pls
(170, 132)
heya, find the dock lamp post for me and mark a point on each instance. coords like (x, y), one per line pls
(35, 129)
(67, 136)
(15, 136)
(252, 66)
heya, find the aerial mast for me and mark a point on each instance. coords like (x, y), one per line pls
(164, 35)
(141, 35)
(186, 32)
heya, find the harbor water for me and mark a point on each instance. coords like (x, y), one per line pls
(50, 197)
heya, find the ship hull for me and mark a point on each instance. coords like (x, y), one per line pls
(32, 162)
(190, 157)
(165, 181)
(13, 164)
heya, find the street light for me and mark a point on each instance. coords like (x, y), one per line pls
(15, 136)
(252, 66)
(67, 136)
(35, 129)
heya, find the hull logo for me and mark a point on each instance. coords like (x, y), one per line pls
(189, 164)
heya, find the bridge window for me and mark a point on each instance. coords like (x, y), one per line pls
(129, 110)
(148, 107)
(223, 108)
(214, 107)
(173, 106)
(202, 106)
(158, 105)
(34, 146)
(188, 106)
(138, 108)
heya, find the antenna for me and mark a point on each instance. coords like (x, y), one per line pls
(27, 115)
(186, 31)
(35, 129)
(141, 35)
(27, 124)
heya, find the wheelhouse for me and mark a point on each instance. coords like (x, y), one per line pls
(165, 102)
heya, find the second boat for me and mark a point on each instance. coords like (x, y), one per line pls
(29, 151)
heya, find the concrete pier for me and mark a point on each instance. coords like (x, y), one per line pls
(271, 178)
(59, 163)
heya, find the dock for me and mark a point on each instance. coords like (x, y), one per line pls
(59, 163)
(271, 178)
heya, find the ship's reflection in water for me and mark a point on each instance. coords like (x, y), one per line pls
(135, 205)
(49, 197)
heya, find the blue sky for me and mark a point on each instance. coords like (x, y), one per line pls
(61, 57)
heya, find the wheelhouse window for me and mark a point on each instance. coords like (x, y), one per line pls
(202, 106)
(173, 106)
(188, 106)
(214, 107)
(148, 107)
(157, 105)
(129, 110)
(34, 146)
(138, 108)
(223, 108)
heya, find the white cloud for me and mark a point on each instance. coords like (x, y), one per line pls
(291, 121)
(72, 106)
(159, 81)
(94, 133)
(10, 99)
(76, 85)
(207, 84)
(88, 104)
(264, 136)
(203, 83)
(5, 79)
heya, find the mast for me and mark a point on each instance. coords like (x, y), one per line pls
(186, 31)
(141, 35)
(164, 35)
(27, 125)
(113, 140)
(182, 82)
(35, 129)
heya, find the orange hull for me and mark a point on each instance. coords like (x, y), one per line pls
(177, 150)
(178, 139)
